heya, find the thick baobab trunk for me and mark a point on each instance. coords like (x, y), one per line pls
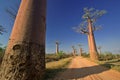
(91, 42)
(57, 47)
(24, 58)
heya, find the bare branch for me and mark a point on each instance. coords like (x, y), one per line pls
(11, 12)
(96, 28)
(93, 15)
(2, 30)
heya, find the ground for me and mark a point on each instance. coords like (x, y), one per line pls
(83, 69)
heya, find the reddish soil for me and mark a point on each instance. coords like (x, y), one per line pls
(83, 69)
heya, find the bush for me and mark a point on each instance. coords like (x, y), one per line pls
(108, 56)
(51, 57)
(85, 54)
(54, 57)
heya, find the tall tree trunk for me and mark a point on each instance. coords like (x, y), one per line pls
(81, 51)
(74, 52)
(57, 47)
(89, 43)
(91, 40)
(24, 58)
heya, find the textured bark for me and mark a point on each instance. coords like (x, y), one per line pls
(24, 62)
(91, 42)
(24, 58)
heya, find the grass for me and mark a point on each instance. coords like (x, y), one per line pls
(54, 57)
(111, 64)
(52, 68)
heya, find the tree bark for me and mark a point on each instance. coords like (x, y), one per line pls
(91, 41)
(24, 58)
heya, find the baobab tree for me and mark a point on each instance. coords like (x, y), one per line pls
(74, 51)
(80, 49)
(24, 57)
(88, 27)
(57, 47)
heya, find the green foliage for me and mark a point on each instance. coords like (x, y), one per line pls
(51, 57)
(108, 56)
(52, 68)
(111, 64)
(54, 57)
(110, 60)
(86, 55)
(61, 54)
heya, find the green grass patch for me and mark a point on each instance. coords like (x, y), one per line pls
(52, 68)
(111, 64)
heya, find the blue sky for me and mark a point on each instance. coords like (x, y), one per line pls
(62, 15)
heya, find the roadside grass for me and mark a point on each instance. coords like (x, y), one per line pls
(52, 68)
(111, 64)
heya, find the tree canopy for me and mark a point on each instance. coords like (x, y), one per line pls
(92, 14)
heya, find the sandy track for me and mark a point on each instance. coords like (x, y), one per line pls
(82, 69)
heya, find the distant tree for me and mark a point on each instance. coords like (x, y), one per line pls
(88, 26)
(57, 47)
(74, 51)
(80, 49)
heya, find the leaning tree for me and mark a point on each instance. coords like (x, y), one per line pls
(88, 26)
(24, 58)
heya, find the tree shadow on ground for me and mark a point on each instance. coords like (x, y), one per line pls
(75, 73)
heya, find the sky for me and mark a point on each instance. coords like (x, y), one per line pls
(63, 15)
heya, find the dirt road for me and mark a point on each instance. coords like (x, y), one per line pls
(82, 69)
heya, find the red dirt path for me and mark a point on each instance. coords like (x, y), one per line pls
(83, 69)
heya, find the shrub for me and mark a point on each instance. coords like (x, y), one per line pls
(85, 54)
(54, 57)
(108, 56)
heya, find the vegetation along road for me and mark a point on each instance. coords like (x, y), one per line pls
(83, 69)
